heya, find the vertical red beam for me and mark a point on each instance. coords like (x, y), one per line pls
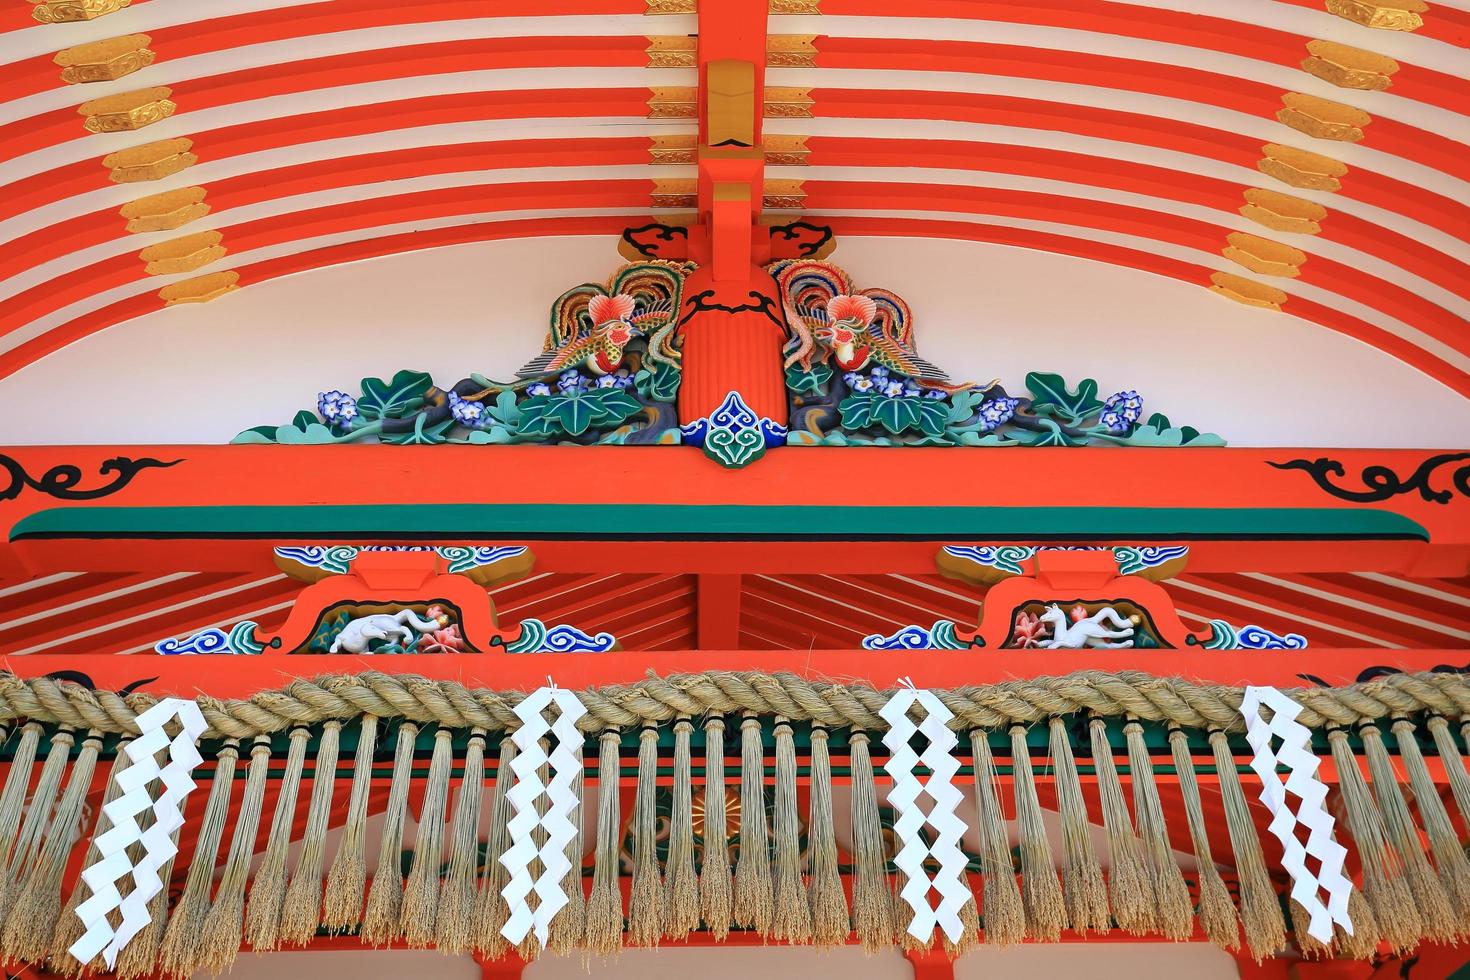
(718, 612)
(731, 177)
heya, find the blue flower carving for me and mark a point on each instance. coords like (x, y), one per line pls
(997, 412)
(468, 414)
(337, 407)
(893, 389)
(1121, 411)
(571, 381)
(622, 379)
(879, 374)
(538, 389)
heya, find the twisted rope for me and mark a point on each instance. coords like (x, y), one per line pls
(661, 699)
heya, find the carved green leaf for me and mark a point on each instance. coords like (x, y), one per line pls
(660, 384)
(574, 414)
(504, 409)
(492, 435)
(315, 434)
(964, 404)
(857, 411)
(813, 382)
(395, 398)
(536, 418)
(611, 406)
(1051, 396)
(258, 435)
(423, 434)
(1051, 435)
(1149, 435)
(933, 416)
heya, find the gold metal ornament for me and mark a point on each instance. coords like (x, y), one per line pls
(671, 51)
(71, 11)
(1263, 255)
(668, 7)
(1385, 15)
(1282, 212)
(1246, 291)
(791, 51)
(673, 102)
(127, 110)
(782, 102)
(795, 7)
(1301, 168)
(150, 161)
(200, 289)
(105, 61)
(166, 211)
(1322, 118)
(1348, 67)
(672, 149)
(783, 194)
(183, 254)
(674, 192)
(785, 150)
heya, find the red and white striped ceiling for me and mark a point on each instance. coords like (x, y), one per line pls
(1125, 133)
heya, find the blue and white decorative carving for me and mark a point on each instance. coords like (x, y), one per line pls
(1007, 558)
(732, 435)
(337, 559)
(940, 636)
(239, 639)
(1224, 636)
(537, 637)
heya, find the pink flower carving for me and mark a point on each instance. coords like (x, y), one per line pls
(1030, 630)
(446, 640)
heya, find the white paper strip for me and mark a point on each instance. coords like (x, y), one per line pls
(1301, 780)
(949, 881)
(564, 761)
(158, 844)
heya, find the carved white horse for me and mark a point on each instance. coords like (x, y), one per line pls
(359, 633)
(1090, 632)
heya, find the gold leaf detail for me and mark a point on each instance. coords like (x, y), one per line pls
(1348, 67)
(669, 7)
(200, 289)
(1282, 212)
(1263, 255)
(1247, 291)
(1322, 118)
(166, 211)
(104, 61)
(791, 51)
(70, 11)
(183, 254)
(1299, 168)
(671, 51)
(150, 161)
(1386, 15)
(795, 6)
(672, 102)
(672, 149)
(127, 110)
(788, 103)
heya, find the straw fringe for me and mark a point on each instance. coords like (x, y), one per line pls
(455, 925)
(419, 915)
(180, 952)
(1429, 895)
(873, 914)
(605, 904)
(792, 917)
(342, 902)
(754, 905)
(681, 895)
(68, 925)
(1129, 885)
(1005, 916)
(831, 924)
(301, 912)
(715, 881)
(12, 799)
(1449, 855)
(1041, 892)
(380, 919)
(1454, 765)
(32, 919)
(645, 894)
(1082, 878)
(268, 893)
(1217, 915)
(33, 826)
(1384, 885)
(1171, 895)
(220, 943)
(140, 957)
(1260, 911)
(570, 924)
(491, 912)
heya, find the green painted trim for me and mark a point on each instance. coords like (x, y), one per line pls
(702, 522)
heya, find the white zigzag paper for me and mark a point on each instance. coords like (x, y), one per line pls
(1301, 780)
(158, 844)
(949, 880)
(565, 761)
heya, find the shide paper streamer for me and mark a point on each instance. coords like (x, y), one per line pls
(1301, 781)
(949, 880)
(157, 840)
(565, 761)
